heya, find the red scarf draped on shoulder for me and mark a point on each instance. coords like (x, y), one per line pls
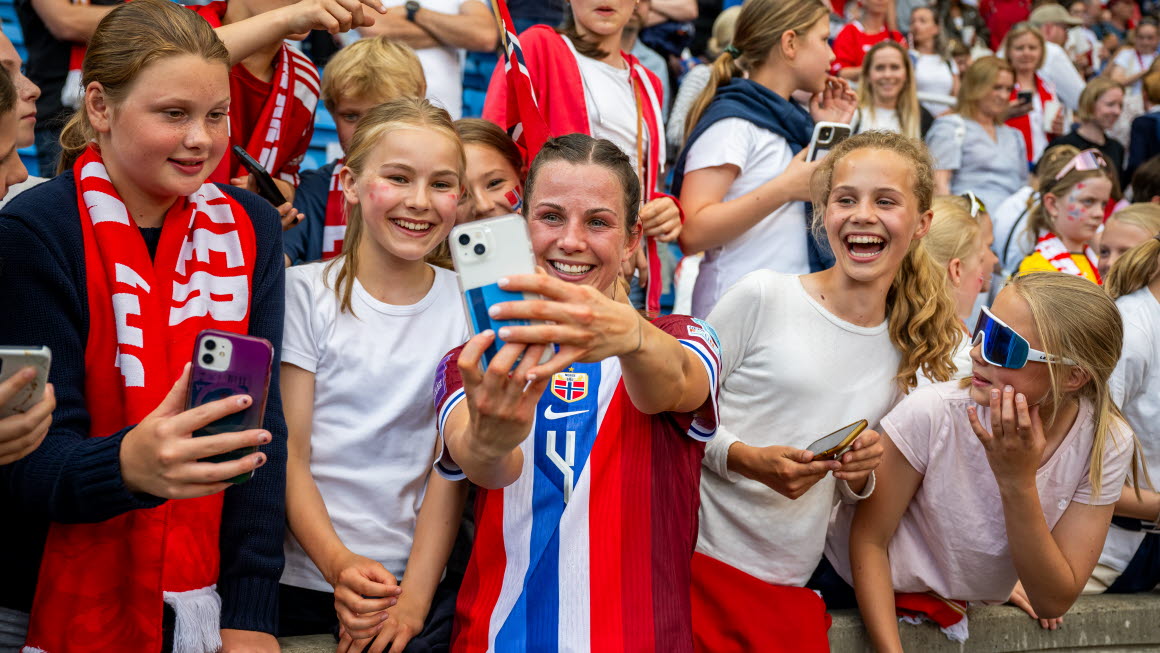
(1023, 122)
(334, 227)
(101, 585)
(287, 113)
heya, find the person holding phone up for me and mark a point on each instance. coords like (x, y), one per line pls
(802, 356)
(588, 463)
(1036, 112)
(743, 177)
(128, 541)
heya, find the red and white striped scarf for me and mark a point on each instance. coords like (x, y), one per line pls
(334, 228)
(101, 586)
(1051, 248)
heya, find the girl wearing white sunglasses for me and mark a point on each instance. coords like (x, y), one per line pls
(1010, 475)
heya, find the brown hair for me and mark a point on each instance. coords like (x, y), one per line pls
(374, 125)
(476, 131)
(920, 310)
(977, 81)
(1094, 90)
(1076, 319)
(372, 69)
(7, 92)
(127, 40)
(579, 149)
(909, 116)
(1053, 161)
(568, 28)
(1023, 29)
(759, 29)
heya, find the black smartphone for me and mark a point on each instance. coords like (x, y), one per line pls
(1024, 97)
(266, 186)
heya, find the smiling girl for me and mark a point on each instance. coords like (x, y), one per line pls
(1130, 226)
(588, 504)
(585, 84)
(1011, 475)
(1100, 105)
(887, 99)
(934, 72)
(359, 465)
(742, 176)
(117, 264)
(788, 343)
(495, 169)
(1074, 186)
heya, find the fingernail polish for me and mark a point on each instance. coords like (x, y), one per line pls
(261, 459)
(242, 401)
(1007, 388)
(502, 282)
(264, 438)
(504, 333)
(493, 311)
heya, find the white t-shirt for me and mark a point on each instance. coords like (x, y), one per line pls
(373, 434)
(1012, 215)
(879, 119)
(1132, 62)
(933, 74)
(952, 539)
(791, 372)
(442, 65)
(776, 243)
(611, 105)
(1060, 71)
(1135, 386)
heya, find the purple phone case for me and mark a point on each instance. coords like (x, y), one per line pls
(248, 373)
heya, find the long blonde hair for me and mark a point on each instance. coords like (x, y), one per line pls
(1052, 163)
(920, 310)
(953, 234)
(909, 116)
(1135, 269)
(1076, 319)
(127, 40)
(759, 29)
(374, 125)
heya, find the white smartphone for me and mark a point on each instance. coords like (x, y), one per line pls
(14, 359)
(832, 446)
(826, 136)
(485, 251)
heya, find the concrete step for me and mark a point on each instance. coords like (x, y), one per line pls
(1108, 623)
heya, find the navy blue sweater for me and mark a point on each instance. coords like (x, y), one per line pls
(74, 478)
(303, 243)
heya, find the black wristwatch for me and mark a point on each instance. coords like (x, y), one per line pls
(412, 7)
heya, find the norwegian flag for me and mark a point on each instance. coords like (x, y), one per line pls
(526, 124)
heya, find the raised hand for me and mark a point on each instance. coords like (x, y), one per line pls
(1016, 442)
(836, 103)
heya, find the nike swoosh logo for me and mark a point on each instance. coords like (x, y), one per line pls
(551, 414)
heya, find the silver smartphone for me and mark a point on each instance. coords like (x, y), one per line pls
(14, 359)
(826, 136)
(485, 251)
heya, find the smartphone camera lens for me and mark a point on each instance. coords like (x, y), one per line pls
(464, 239)
(207, 359)
(480, 249)
(211, 344)
(827, 132)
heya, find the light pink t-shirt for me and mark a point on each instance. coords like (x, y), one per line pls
(952, 539)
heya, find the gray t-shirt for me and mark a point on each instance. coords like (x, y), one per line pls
(993, 169)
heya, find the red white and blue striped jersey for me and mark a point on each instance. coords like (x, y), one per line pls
(590, 548)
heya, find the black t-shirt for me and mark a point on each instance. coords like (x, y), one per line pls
(1112, 149)
(47, 64)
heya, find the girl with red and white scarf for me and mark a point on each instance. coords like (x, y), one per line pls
(585, 84)
(1074, 187)
(116, 265)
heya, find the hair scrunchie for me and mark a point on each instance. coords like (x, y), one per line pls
(732, 51)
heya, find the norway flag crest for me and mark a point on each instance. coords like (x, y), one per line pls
(570, 386)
